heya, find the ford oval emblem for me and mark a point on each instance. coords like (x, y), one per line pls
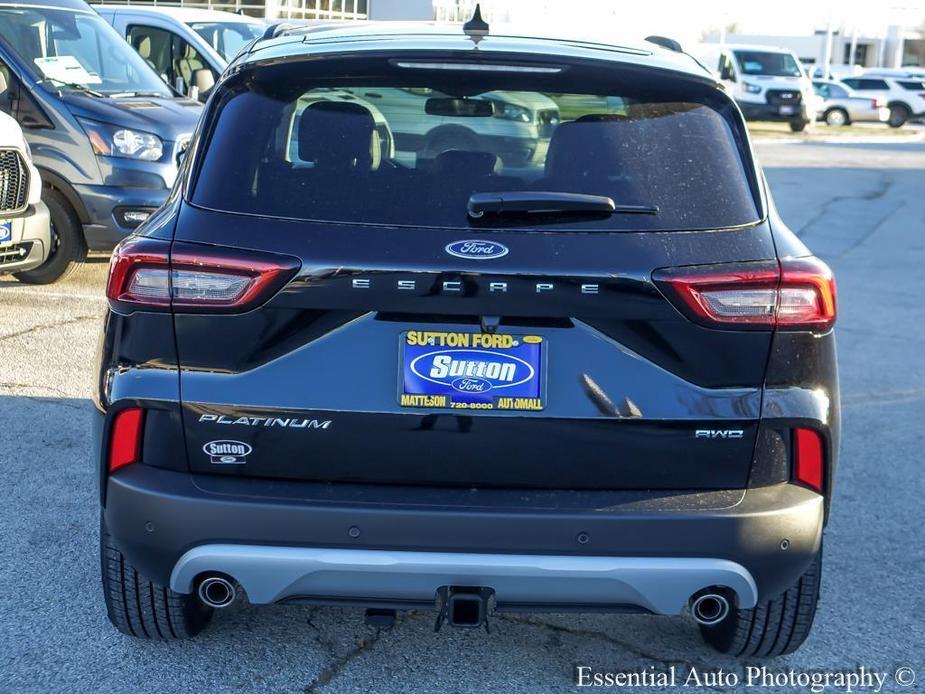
(471, 385)
(474, 249)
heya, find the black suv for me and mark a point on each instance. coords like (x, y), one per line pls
(598, 374)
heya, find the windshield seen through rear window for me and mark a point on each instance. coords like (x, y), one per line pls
(413, 148)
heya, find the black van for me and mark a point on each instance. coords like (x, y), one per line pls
(106, 132)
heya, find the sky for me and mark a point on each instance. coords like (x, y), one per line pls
(688, 20)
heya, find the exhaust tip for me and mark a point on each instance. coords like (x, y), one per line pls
(216, 591)
(710, 608)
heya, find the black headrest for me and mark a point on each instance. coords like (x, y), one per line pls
(338, 134)
(594, 145)
(465, 162)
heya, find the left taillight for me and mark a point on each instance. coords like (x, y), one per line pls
(794, 294)
(125, 437)
(148, 273)
(809, 459)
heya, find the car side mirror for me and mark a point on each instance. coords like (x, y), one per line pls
(727, 74)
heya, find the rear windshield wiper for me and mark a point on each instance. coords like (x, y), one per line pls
(529, 202)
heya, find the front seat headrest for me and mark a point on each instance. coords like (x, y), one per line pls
(338, 135)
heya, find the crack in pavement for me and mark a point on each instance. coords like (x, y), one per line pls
(339, 664)
(886, 182)
(48, 326)
(589, 634)
(873, 230)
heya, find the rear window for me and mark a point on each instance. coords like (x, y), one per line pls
(409, 146)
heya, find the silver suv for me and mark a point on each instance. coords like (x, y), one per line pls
(904, 97)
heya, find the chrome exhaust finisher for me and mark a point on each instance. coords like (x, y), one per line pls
(216, 591)
(710, 608)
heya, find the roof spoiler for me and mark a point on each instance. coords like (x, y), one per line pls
(665, 42)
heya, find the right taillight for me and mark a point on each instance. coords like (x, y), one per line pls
(796, 294)
(148, 273)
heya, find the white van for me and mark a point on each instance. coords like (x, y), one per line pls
(25, 229)
(188, 47)
(768, 83)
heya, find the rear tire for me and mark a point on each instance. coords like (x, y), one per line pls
(899, 114)
(776, 627)
(68, 250)
(137, 607)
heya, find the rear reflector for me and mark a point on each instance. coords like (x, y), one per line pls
(808, 461)
(797, 293)
(148, 273)
(125, 438)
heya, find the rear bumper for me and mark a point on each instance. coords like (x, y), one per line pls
(300, 541)
(661, 585)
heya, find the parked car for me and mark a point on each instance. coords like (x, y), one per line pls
(904, 97)
(841, 106)
(590, 383)
(106, 133)
(25, 231)
(188, 48)
(768, 84)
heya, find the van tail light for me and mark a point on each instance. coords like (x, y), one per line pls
(147, 273)
(794, 294)
(879, 103)
(125, 437)
(808, 459)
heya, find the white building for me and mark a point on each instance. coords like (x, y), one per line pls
(895, 47)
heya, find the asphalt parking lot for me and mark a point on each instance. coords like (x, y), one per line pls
(860, 207)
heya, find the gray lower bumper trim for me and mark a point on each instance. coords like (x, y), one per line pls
(662, 585)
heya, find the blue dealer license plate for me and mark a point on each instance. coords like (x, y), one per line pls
(474, 371)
